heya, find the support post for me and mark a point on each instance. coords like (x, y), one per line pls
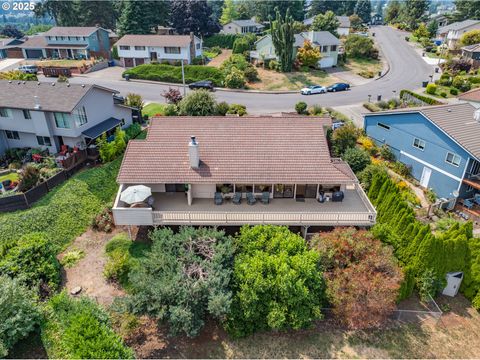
(305, 231)
(129, 227)
(183, 80)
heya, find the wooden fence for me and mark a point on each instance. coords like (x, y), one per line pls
(25, 200)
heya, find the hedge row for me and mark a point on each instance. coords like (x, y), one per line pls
(417, 249)
(225, 41)
(173, 74)
(425, 99)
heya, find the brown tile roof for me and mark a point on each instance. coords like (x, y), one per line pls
(239, 149)
(60, 98)
(472, 95)
(154, 40)
(34, 42)
(71, 31)
(456, 120)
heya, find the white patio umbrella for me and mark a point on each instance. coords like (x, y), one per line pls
(135, 194)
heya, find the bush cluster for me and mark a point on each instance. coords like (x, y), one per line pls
(425, 99)
(238, 71)
(357, 46)
(173, 74)
(110, 150)
(224, 41)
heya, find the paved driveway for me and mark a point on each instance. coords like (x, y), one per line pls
(9, 64)
(407, 71)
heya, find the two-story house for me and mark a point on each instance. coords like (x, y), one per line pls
(283, 162)
(49, 115)
(451, 33)
(324, 40)
(441, 144)
(68, 42)
(242, 27)
(135, 50)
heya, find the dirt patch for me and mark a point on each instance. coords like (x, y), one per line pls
(218, 60)
(88, 272)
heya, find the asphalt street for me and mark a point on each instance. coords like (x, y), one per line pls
(406, 71)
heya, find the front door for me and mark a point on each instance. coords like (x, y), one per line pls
(425, 179)
(153, 56)
(300, 194)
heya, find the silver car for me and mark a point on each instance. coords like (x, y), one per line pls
(28, 69)
(313, 89)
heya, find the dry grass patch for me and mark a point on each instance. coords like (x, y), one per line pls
(359, 66)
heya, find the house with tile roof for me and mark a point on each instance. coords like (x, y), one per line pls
(441, 145)
(135, 50)
(188, 162)
(323, 40)
(242, 27)
(49, 115)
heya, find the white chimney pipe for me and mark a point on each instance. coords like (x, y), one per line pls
(37, 103)
(476, 115)
(193, 153)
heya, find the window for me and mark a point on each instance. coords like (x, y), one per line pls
(77, 38)
(334, 48)
(325, 48)
(68, 38)
(44, 141)
(198, 46)
(124, 47)
(80, 116)
(469, 188)
(383, 126)
(139, 47)
(26, 114)
(62, 121)
(453, 159)
(12, 135)
(122, 122)
(172, 50)
(419, 144)
(4, 112)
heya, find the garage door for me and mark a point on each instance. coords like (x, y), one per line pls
(139, 61)
(128, 62)
(33, 53)
(326, 62)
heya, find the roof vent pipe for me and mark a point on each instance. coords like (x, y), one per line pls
(193, 153)
(476, 115)
(37, 103)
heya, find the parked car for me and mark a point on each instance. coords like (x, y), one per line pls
(28, 69)
(313, 89)
(204, 84)
(338, 87)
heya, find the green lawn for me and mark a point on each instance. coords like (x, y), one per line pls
(210, 54)
(153, 109)
(12, 176)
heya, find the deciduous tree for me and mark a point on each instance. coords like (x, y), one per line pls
(326, 22)
(363, 8)
(309, 55)
(192, 16)
(470, 37)
(229, 12)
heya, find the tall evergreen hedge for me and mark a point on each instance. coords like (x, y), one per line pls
(417, 249)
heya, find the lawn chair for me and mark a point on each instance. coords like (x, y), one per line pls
(477, 199)
(468, 203)
(237, 198)
(265, 197)
(251, 199)
(218, 198)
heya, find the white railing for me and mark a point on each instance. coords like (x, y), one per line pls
(284, 218)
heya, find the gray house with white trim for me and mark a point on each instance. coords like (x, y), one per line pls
(49, 115)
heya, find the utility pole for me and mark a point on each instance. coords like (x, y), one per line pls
(183, 81)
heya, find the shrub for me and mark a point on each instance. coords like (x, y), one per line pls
(20, 314)
(224, 41)
(237, 109)
(366, 175)
(309, 55)
(394, 103)
(431, 89)
(173, 74)
(301, 107)
(277, 277)
(453, 91)
(222, 108)
(104, 221)
(367, 74)
(29, 177)
(344, 138)
(382, 104)
(80, 329)
(425, 99)
(240, 45)
(235, 79)
(357, 46)
(363, 278)
(32, 258)
(357, 158)
(198, 103)
(72, 257)
(386, 153)
(371, 106)
(185, 278)
(172, 96)
(274, 65)
(132, 131)
(251, 74)
(199, 60)
(443, 94)
(171, 110)
(234, 61)
(111, 150)
(429, 285)
(134, 100)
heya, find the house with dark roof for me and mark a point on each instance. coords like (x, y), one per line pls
(242, 27)
(323, 40)
(69, 42)
(135, 50)
(441, 145)
(285, 176)
(452, 33)
(49, 115)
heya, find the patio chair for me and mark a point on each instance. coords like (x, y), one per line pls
(237, 198)
(251, 199)
(477, 199)
(468, 203)
(218, 198)
(265, 197)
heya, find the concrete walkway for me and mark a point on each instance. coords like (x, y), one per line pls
(9, 64)
(419, 192)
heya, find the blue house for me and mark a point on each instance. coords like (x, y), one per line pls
(441, 144)
(68, 42)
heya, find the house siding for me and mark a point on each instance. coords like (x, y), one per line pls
(404, 128)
